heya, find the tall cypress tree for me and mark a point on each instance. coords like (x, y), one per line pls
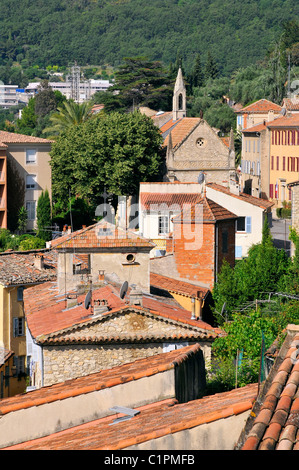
(43, 213)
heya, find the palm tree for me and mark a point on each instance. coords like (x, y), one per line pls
(67, 115)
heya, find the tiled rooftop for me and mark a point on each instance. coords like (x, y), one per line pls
(263, 203)
(285, 121)
(258, 128)
(211, 212)
(181, 131)
(17, 268)
(274, 424)
(177, 286)
(153, 421)
(261, 106)
(101, 235)
(14, 138)
(291, 104)
(46, 320)
(150, 200)
(106, 378)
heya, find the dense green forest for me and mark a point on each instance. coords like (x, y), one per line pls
(105, 31)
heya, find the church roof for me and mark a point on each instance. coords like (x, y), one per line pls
(181, 130)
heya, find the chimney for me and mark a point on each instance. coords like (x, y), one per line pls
(99, 307)
(71, 300)
(69, 229)
(136, 296)
(101, 275)
(39, 262)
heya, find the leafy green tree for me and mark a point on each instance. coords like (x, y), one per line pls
(43, 213)
(116, 151)
(141, 82)
(28, 121)
(254, 277)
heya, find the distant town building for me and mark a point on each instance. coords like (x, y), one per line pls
(8, 96)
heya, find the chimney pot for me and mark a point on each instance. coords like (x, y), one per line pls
(39, 261)
(69, 230)
(136, 296)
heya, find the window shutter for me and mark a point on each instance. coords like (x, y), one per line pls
(248, 224)
(15, 327)
(238, 252)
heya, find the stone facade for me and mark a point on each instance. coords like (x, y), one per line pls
(103, 344)
(201, 150)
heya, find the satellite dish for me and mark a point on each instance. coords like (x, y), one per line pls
(123, 289)
(201, 177)
(87, 301)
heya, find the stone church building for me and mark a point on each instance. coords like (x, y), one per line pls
(192, 145)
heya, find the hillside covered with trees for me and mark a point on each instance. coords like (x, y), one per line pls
(105, 31)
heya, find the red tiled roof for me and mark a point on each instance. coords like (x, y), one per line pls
(106, 378)
(18, 268)
(149, 200)
(291, 104)
(258, 128)
(14, 138)
(45, 321)
(180, 287)
(211, 212)
(285, 121)
(101, 235)
(153, 421)
(275, 421)
(261, 106)
(263, 203)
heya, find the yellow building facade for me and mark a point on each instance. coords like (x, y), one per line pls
(13, 337)
(283, 157)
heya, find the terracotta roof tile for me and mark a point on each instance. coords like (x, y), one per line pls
(180, 287)
(153, 421)
(171, 200)
(261, 106)
(14, 138)
(211, 212)
(263, 203)
(18, 268)
(101, 235)
(285, 121)
(44, 320)
(258, 128)
(106, 378)
(276, 425)
(181, 131)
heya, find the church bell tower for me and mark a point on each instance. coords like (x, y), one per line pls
(179, 107)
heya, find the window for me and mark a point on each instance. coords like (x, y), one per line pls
(277, 163)
(241, 224)
(18, 327)
(244, 224)
(163, 221)
(271, 191)
(283, 163)
(20, 294)
(30, 181)
(30, 208)
(30, 156)
(19, 363)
